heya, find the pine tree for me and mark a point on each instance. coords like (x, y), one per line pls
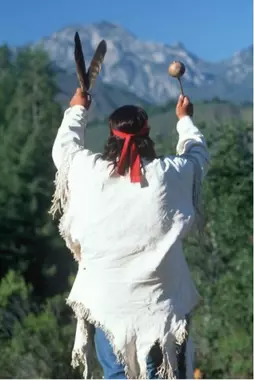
(7, 81)
(28, 239)
(223, 267)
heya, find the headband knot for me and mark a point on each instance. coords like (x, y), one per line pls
(131, 147)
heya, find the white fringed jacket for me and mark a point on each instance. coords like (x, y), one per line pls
(133, 279)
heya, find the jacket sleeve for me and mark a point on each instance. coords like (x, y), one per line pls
(192, 144)
(70, 136)
(191, 147)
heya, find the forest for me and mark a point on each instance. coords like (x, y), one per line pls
(36, 270)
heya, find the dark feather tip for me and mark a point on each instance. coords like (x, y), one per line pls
(103, 44)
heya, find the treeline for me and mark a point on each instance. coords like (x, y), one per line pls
(36, 270)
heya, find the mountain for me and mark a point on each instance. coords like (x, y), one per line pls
(105, 97)
(135, 71)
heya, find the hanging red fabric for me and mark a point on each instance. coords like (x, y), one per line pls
(135, 159)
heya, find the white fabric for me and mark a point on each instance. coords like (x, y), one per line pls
(133, 279)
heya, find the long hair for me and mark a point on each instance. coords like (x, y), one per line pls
(128, 119)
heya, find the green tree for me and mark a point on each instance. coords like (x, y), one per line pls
(223, 267)
(29, 240)
(7, 80)
(36, 341)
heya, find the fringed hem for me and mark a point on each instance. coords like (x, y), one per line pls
(60, 204)
(79, 356)
(82, 313)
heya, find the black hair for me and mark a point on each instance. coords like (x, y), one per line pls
(128, 119)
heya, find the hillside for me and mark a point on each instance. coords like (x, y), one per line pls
(163, 120)
(37, 270)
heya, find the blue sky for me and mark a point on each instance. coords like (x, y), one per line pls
(212, 29)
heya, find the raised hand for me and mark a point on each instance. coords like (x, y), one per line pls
(81, 99)
(184, 107)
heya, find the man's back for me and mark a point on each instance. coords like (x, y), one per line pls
(133, 280)
(115, 216)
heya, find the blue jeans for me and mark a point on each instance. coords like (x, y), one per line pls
(114, 370)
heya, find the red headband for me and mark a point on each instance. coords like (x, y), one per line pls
(135, 160)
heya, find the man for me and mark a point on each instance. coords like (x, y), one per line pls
(125, 215)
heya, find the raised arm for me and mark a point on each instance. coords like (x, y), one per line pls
(191, 146)
(71, 135)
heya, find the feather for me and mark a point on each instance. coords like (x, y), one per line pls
(96, 63)
(80, 64)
